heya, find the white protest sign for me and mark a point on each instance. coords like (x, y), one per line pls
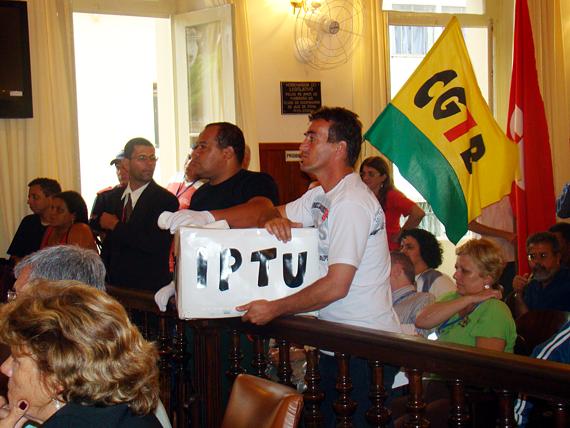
(218, 270)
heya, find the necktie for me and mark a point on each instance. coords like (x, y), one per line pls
(127, 209)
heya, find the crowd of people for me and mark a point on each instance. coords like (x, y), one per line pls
(374, 272)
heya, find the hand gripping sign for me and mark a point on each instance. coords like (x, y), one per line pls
(218, 270)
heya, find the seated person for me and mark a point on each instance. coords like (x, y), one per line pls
(28, 237)
(562, 232)
(77, 361)
(474, 315)
(557, 349)
(68, 223)
(61, 262)
(67, 262)
(407, 302)
(375, 173)
(548, 287)
(425, 252)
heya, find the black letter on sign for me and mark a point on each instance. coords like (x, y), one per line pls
(202, 268)
(423, 97)
(225, 266)
(263, 256)
(290, 280)
(450, 109)
(475, 152)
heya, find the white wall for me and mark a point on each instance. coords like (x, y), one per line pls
(272, 29)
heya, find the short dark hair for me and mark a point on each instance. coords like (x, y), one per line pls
(406, 263)
(49, 186)
(543, 237)
(345, 126)
(229, 135)
(563, 229)
(430, 248)
(75, 205)
(130, 146)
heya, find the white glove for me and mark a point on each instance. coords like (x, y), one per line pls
(173, 221)
(163, 295)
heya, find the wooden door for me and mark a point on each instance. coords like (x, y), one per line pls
(281, 161)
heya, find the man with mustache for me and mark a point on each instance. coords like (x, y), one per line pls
(548, 286)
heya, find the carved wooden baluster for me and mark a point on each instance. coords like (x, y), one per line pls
(313, 396)
(458, 417)
(506, 409)
(561, 418)
(180, 417)
(187, 411)
(165, 353)
(259, 362)
(235, 356)
(416, 406)
(284, 370)
(344, 406)
(378, 415)
(208, 372)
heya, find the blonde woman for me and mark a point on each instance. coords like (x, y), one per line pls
(76, 361)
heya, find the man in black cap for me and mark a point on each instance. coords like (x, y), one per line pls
(102, 203)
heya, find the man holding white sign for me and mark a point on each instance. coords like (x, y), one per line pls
(231, 191)
(353, 247)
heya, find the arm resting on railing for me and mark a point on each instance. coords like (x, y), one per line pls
(436, 313)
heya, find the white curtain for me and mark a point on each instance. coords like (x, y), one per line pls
(370, 69)
(243, 74)
(551, 31)
(47, 144)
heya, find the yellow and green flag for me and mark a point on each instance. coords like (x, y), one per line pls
(441, 134)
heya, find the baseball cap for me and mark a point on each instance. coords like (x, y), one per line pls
(120, 156)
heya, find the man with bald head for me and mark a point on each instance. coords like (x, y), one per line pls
(232, 193)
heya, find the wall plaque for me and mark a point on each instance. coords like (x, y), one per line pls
(300, 97)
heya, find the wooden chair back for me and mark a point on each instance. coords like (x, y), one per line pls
(260, 403)
(537, 326)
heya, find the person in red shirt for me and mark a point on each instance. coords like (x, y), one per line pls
(184, 188)
(375, 173)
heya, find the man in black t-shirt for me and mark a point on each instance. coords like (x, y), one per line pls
(28, 237)
(231, 191)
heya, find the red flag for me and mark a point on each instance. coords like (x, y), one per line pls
(533, 204)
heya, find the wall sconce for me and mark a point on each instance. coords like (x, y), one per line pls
(305, 5)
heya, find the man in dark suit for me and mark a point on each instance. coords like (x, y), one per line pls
(136, 250)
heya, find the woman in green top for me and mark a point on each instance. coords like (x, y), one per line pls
(474, 315)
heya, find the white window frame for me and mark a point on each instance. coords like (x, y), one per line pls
(179, 25)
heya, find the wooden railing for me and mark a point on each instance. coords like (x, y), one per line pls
(197, 400)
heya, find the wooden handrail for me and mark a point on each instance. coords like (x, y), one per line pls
(475, 366)
(498, 370)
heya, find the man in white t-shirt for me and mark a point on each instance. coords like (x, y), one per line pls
(353, 248)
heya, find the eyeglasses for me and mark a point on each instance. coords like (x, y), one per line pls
(145, 158)
(538, 256)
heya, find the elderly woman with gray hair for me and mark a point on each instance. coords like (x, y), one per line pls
(61, 262)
